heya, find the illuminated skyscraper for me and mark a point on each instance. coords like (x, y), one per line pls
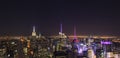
(61, 34)
(75, 36)
(33, 33)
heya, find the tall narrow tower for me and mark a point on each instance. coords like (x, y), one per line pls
(75, 36)
(61, 28)
(33, 33)
(60, 32)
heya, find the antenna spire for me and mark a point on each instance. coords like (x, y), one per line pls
(61, 27)
(33, 33)
(33, 28)
(75, 37)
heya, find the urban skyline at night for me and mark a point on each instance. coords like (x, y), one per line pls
(59, 29)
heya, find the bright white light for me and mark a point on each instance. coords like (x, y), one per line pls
(8, 55)
(79, 49)
(12, 42)
(81, 44)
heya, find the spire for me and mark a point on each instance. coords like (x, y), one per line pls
(61, 27)
(75, 37)
(33, 28)
(60, 33)
(33, 33)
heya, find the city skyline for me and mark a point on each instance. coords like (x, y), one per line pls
(90, 17)
(59, 29)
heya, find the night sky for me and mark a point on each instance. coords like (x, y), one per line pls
(92, 17)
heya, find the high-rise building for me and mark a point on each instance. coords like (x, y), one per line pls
(34, 32)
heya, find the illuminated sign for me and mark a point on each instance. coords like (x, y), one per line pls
(106, 42)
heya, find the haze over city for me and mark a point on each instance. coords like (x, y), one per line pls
(90, 17)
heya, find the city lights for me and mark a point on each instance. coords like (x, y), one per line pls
(59, 46)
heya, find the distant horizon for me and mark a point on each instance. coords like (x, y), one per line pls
(56, 32)
(46, 34)
(100, 17)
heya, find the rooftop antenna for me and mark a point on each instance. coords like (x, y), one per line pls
(33, 28)
(61, 27)
(33, 33)
(75, 36)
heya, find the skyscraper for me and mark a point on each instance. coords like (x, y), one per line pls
(33, 33)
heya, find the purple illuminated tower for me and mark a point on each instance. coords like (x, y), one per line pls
(60, 33)
(75, 37)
